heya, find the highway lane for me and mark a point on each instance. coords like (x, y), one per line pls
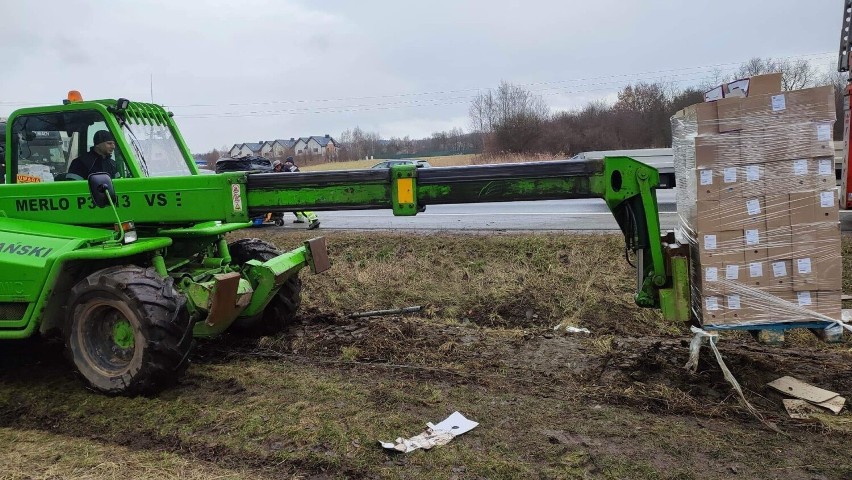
(551, 215)
(579, 215)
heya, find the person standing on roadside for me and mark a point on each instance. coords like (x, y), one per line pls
(290, 166)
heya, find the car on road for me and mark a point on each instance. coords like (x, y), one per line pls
(391, 163)
(249, 163)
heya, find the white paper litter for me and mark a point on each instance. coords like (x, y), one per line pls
(435, 435)
(571, 329)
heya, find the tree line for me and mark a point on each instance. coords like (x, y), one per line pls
(512, 119)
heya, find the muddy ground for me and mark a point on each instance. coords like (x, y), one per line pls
(315, 401)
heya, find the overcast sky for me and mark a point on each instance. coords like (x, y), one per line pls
(248, 70)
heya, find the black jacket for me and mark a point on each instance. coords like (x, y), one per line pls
(90, 162)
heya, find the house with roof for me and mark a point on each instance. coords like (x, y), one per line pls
(278, 148)
(244, 149)
(323, 146)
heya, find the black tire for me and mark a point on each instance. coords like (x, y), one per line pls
(128, 331)
(282, 309)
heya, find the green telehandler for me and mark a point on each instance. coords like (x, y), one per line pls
(129, 267)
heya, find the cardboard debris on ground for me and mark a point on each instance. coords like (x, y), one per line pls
(799, 409)
(435, 435)
(808, 394)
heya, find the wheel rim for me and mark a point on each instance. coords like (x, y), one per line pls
(122, 334)
(107, 337)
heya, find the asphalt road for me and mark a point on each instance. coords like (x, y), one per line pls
(581, 215)
(553, 215)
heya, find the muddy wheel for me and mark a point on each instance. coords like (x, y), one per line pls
(128, 331)
(283, 306)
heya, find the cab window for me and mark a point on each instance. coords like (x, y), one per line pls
(44, 145)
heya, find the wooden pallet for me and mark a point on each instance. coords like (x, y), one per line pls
(773, 333)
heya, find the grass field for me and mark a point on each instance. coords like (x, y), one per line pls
(313, 403)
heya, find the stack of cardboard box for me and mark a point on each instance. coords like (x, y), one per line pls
(765, 218)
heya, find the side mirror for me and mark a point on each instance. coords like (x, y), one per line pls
(100, 185)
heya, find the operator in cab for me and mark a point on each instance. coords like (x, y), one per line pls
(97, 160)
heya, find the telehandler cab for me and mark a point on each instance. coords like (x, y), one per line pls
(129, 269)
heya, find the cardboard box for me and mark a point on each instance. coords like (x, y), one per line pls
(829, 304)
(795, 175)
(712, 279)
(731, 186)
(740, 213)
(755, 147)
(816, 103)
(724, 246)
(730, 114)
(757, 273)
(816, 239)
(780, 275)
(734, 271)
(707, 184)
(752, 180)
(755, 241)
(826, 177)
(734, 308)
(803, 139)
(803, 208)
(764, 84)
(789, 305)
(780, 243)
(706, 216)
(810, 104)
(826, 206)
(705, 115)
(716, 151)
(712, 309)
(777, 211)
(829, 272)
(758, 112)
(804, 273)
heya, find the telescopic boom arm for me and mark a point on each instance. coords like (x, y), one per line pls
(626, 185)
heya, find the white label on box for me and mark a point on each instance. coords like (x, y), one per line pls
(804, 298)
(752, 173)
(800, 167)
(734, 302)
(755, 269)
(752, 237)
(706, 177)
(730, 174)
(823, 132)
(753, 207)
(826, 167)
(711, 274)
(779, 269)
(826, 199)
(710, 242)
(732, 272)
(803, 265)
(779, 102)
(712, 303)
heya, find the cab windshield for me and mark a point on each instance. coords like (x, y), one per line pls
(156, 149)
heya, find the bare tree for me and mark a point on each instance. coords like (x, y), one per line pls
(512, 114)
(795, 75)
